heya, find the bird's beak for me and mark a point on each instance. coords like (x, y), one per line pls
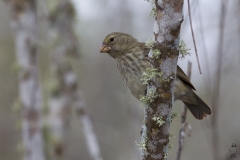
(105, 49)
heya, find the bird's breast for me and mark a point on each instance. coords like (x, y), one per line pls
(131, 69)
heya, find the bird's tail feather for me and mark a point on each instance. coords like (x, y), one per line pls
(199, 110)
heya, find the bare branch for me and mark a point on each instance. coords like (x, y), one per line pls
(183, 120)
(207, 77)
(239, 28)
(194, 42)
(88, 128)
(24, 25)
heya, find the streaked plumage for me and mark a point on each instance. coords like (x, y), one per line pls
(132, 60)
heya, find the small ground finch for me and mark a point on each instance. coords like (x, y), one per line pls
(132, 61)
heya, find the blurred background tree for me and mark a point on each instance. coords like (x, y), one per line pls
(117, 116)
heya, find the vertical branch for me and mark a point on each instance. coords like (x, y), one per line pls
(24, 25)
(64, 89)
(157, 118)
(239, 28)
(183, 120)
(217, 81)
(88, 130)
(59, 105)
(60, 20)
(194, 42)
(207, 77)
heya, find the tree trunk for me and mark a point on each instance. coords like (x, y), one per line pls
(24, 25)
(64, 90)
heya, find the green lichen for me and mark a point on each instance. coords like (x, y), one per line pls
(150, 96)
(168, 146)
(174, 115)
(159, 120)
(150, 43)
(153, 12)
(171, 136)
(149, 74)
(144, 99)
(142, 145)
(183, 49)
(155, 53)
(166, 150)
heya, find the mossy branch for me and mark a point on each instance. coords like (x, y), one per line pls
(153, 12)
(161, 78)
(183, 50)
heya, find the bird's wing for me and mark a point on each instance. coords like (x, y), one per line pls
(145, 49)
(181, 75)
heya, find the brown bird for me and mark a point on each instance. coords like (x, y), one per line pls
(132, 60)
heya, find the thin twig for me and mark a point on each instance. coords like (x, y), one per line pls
(217, 81)
(194, 42)
(194, 6)
(207, 77)
(183, 120)
(88, 127)
(239, 28)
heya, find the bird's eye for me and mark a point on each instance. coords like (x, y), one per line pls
(111, 39)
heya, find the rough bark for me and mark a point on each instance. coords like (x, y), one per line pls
(64, 90)
(166, 34)
(24, 25)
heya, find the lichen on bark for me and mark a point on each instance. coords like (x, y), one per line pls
(167, 26)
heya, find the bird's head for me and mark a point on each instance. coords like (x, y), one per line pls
(117, 44)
